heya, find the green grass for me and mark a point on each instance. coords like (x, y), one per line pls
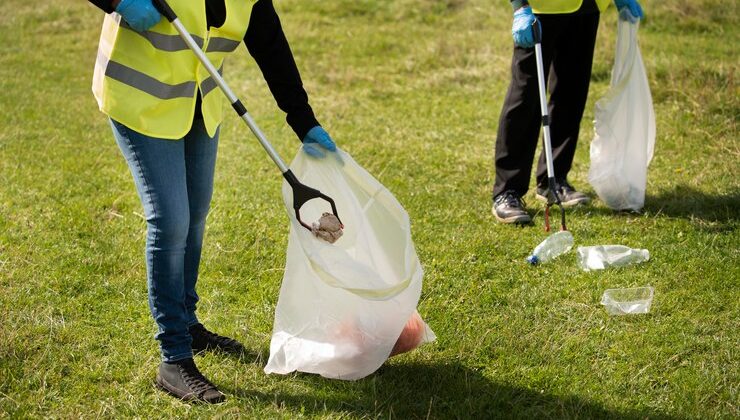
(412, 89)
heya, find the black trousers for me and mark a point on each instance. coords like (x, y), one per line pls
(567, 47)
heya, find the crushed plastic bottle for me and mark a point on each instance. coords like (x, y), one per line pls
(556, 244)
(602, 256)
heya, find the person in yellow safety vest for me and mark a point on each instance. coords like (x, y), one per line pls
(568, 29)
(165, 112)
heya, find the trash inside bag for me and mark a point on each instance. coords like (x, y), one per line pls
(345, 307)
(602, 256)
(624, 128)
(412, 335)
(328, 228)
(628, 301)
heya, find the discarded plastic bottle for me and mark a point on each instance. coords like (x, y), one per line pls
(602, 256)
(556, 244)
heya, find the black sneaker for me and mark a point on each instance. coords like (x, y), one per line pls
(183, 380)
(508, 207)
(569, 197)
(204, 340)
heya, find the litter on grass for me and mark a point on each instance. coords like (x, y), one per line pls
(601, 256)
(555, 245)
(628, 301)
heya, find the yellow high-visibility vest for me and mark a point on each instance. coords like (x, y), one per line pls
(149, 81)
(547, 7)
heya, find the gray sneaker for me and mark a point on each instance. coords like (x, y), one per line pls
(569, 197)
(508, 207)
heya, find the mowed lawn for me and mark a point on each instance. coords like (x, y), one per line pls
(412, 89)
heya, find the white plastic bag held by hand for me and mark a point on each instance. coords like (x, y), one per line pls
(625, 128)
(343, 306)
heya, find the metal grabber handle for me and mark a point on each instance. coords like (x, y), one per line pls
(301, 192)
(552, 196)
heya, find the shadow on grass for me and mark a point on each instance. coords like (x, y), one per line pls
(429, 391)
(680, 202)
(687, 202)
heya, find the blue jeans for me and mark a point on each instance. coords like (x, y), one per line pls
(174, 179)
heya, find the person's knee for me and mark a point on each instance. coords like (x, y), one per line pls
(198, 215)
(169, 231)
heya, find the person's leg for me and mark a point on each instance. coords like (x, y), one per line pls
(519, 124)
(569, 82)
(518, 127)
(158, 168)
(200, 164)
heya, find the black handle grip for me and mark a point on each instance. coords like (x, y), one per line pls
(165, 9)
(536, 31)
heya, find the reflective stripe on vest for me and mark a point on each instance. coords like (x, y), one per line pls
(562, 6)
(222, 45)
(165, 42)
(149, 81)
(210, 83)
(148, 84)
(152, 86)
(176, 43)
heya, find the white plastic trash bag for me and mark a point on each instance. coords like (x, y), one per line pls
(624, 128)
(342, 306)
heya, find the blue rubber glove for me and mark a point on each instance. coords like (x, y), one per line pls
(316, 141)
(521, 28)
(139, 14)
(635, 11)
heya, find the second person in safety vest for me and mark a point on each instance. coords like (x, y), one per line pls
(165, 112)
(568, 30)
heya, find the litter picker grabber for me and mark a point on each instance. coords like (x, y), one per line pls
(552, 193)
(301, 192)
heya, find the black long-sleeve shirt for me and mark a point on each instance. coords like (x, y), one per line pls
(266, 42)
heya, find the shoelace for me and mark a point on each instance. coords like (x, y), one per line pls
(194, 379)
(219, 339)
(511, 200)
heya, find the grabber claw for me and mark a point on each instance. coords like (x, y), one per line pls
(302, 194)
(554, 199)
(562, 218)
